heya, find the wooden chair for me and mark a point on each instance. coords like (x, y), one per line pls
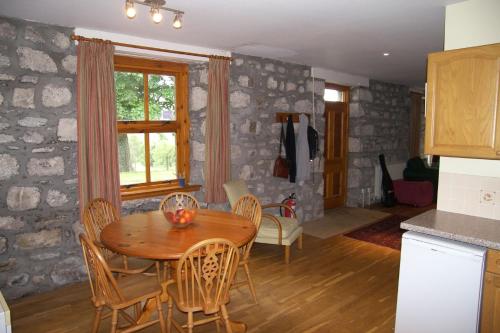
(249, 207)
(203, 278)
(119, 295)
(177, 200)
(98, 214)
(174, 201)
(277, 230)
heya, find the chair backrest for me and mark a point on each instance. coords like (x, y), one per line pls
(102, 283)
(249, 207)
(235, 189)
(205, 273)
(177, 200)
(98, 214)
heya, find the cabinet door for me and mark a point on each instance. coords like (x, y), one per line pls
(490, 312)
(463, 103)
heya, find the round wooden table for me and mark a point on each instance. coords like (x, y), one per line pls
(149, 235)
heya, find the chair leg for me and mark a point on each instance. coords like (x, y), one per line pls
(169, 314)
(299, 242)
(190, 324)
(287, 254)
(225, 316)
(160, 314)
(114, 321)
(250, 283)
(217, 322)
(97, 319)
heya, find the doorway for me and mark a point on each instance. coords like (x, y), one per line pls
(336, 137)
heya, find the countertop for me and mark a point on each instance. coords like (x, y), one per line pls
(464, 228)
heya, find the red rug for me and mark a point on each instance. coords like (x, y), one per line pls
(385, 232)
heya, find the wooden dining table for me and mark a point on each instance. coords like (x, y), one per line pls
(149, 235)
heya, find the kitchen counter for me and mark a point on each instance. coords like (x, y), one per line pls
(464, 228)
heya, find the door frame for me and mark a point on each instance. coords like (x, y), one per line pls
(345, 99)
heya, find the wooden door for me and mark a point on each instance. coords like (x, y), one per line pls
(335, 171)
(463, 103)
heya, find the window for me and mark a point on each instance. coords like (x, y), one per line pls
(332, 95)
(153, 125)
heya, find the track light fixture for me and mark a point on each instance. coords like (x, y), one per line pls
(155, 11)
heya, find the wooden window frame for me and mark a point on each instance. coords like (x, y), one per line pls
(180, 126)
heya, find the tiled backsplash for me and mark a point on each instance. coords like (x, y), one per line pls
(469, 194)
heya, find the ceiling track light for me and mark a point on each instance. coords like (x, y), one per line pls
(155, 11)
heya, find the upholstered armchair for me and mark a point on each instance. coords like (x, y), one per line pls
(278, 230)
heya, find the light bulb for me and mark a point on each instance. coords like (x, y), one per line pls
(177, 24)
(156, 15)
(130, 9)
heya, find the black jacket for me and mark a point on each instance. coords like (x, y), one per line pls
(290, 150)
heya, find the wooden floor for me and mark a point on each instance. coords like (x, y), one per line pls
(333, 285)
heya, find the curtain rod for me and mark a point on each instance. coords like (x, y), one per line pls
(149, 48)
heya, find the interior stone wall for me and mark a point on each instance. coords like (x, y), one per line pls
(39, 215)
(379, 122)
(259, 88)
(38, 194)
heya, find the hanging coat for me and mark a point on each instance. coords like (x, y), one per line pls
(303, 161)
(290, 150)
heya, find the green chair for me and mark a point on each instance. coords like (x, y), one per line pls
(274, 229)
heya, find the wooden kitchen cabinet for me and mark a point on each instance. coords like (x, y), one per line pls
(463, 103)
(490, 309)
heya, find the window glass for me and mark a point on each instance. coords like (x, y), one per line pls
(161, 97)
(129, 89)
(163, 156)
(333, 95)
(131, 154)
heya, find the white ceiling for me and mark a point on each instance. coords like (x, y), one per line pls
(343, 35)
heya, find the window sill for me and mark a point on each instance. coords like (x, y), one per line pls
(148, 192)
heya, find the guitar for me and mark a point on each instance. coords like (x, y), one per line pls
(388, 197)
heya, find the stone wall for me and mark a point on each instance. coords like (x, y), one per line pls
(258, 89)
(39, 217)
(38, 195)
(379, 122)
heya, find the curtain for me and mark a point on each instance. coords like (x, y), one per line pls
(98, 172)
(217, 146)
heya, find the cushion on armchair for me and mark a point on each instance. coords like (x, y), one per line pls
(269, 229)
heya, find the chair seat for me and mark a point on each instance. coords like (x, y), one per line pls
(269, 229)
(287, 241)
(194, 305)
(134, 264)
(134, 287)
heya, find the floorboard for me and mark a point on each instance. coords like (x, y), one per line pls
(333, 285)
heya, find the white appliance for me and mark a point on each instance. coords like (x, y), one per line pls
(440, 283)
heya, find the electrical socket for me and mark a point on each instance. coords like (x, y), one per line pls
(487, 197)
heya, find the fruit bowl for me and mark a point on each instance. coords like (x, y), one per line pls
(180, 218)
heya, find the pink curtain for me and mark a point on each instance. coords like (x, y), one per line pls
(217, 146)
(98, 172)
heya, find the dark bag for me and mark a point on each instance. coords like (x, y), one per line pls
(313, 141)
(281, 165)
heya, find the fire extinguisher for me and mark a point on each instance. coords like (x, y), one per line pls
(291, 202)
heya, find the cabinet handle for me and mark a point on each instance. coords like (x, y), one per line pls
(498, 153)
(425, 101)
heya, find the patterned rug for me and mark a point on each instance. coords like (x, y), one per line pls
(386, 232)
